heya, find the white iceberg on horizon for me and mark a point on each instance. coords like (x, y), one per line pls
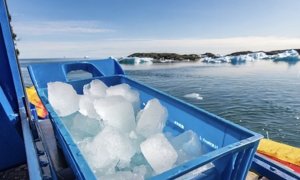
(135, 60)
(289, 55)
(258, 55)
(241, 58)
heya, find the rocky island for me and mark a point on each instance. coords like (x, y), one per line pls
(167, 56)
(289, 55)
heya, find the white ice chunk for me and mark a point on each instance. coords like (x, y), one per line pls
(289, 55)
(259, 55)
(136, 140)
(241, 58)
(107, 149)
(159, 153)
(116, 112)
(129, 94)
(187, 145)
(82, 127)
(193, 96)
(135, 60)
(95, 88)
(152, 119)
(63, 98)
(86, 106)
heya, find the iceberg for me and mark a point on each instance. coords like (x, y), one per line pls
(238, 59)
(193, 96)
(241, 59)
(135, 60)
(289, 55)
(258, 55)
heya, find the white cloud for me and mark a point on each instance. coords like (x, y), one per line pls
(123, 47)
(58, 27)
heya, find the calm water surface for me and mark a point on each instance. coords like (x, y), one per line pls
(262, 96)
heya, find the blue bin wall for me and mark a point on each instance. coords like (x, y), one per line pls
(11, 143)
(12, 150)
(230, 147)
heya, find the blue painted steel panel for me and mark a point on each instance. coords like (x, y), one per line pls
(14, 126)
(12, 147)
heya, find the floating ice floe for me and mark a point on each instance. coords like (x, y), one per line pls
(135, 60)
(289, 55)
(258, 55)
(241, 59)
(193, 96)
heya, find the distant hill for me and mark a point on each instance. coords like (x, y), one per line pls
(195, 57)
(239, 53)
(267, 52)
(167, 56)
(279, 51)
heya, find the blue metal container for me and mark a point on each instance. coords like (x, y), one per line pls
(11, 99)
(229, 147)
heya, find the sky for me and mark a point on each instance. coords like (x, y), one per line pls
(102, 28)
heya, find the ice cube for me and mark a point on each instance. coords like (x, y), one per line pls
(143, 170)
(187, 145)
(98, 157)
(95, 88)
(129, 94)
(116, 112)
(136, 140)
(81, 127)
(159, 153)
(63, 98)
(140, 170)
(86, 106)
(152, 118)
(109, 148)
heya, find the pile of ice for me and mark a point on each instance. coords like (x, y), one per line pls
(135, 60)
(119, 139)
(289, 55)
